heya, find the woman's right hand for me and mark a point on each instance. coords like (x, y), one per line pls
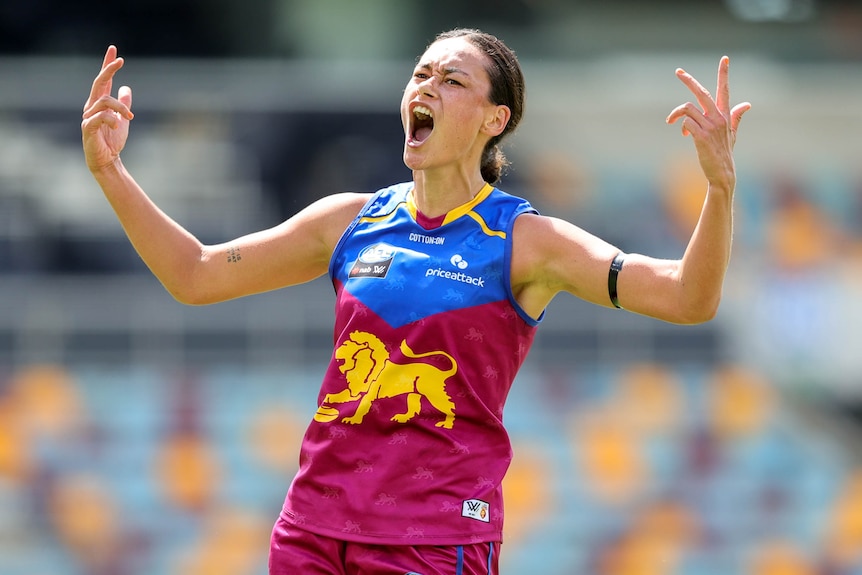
(105, 126)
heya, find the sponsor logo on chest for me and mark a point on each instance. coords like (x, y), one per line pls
(373, 262)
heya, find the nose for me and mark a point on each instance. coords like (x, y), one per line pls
(427, 87)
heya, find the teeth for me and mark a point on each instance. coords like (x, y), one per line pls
(420, 111)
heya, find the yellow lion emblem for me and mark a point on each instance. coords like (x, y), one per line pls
(371, 375)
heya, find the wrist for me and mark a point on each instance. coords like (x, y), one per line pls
(108, 170)
(722, 178)
(724, 185)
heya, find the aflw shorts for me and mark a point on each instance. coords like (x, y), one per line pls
(296, 552)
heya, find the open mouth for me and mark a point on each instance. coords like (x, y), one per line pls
(423, 124)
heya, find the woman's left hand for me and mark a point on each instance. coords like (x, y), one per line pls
(712, 125)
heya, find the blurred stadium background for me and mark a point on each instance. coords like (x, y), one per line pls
(139, 436)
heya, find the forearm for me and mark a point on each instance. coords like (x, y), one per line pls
(170, 251)
(704, 264)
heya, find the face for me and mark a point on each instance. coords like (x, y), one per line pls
(446, 113)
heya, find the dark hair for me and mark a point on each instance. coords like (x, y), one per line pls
(507, 89)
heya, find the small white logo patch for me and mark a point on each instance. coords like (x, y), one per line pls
(373, 262)
(476, 509)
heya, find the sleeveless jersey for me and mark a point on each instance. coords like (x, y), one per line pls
(408, 444)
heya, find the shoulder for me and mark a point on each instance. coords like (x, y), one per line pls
(336, 210)
(534, 230)
(324, 219)
(385, 200)
(552, 236)
(542, 238)
(343, 202)
(534, 240)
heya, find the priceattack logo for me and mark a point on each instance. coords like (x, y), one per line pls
(457, 275)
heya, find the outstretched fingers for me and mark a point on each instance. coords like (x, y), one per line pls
(100, 93)
(718, 109)
(722, 94)
(104, 80)
(701, 94)
(712, 124)
(693, 118)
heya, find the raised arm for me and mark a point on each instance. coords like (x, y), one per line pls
(553, 256)
(296, 251)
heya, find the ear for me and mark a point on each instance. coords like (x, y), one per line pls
(496, 120)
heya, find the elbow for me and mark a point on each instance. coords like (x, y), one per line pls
(187, 293)
(185, 299)
(191, 297)
(184, 296)
(190, 285)
(698, 317)
(699, 311)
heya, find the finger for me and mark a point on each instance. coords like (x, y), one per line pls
(722, 94)
(102, 118)
(125, 97)
(111, 105)
(691, 127)
(687, 110)
(736, 114)
(704, 98)
(110, 55)
(104, 80)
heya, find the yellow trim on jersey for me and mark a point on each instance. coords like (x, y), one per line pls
(468, 207)
(462, 210)
(411, 205)
(488, 231)
(365, 219)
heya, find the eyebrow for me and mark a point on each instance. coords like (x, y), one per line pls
(450, 70)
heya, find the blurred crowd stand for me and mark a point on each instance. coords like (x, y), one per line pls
(138, 436)
(638, 468)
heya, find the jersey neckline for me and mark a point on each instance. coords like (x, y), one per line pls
(450, 216)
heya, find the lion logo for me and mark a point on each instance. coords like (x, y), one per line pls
(372, 375)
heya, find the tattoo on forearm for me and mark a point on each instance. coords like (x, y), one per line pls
(233, 255)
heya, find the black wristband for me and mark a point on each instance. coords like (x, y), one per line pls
(616, 266)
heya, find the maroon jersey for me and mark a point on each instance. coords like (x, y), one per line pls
(408, 444)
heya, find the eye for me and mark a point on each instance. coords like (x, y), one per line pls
(420, 75)
(452, 82)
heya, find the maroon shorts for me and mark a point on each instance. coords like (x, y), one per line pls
(297, 552)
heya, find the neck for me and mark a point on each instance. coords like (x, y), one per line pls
(436, 194)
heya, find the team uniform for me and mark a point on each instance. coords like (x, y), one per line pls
(407, 447)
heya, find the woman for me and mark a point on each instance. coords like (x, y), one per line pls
(440, 285)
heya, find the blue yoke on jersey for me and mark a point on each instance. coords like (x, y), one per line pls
(455, 265)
